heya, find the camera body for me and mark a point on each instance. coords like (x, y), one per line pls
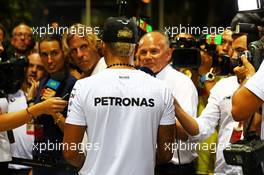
(257, 50)
(255, 44)
(248, 153)
(12, 74)
(186, 51)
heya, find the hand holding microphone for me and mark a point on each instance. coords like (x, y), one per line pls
(50, 89)
(48, 93)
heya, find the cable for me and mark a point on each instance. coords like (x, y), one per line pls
(177, 141)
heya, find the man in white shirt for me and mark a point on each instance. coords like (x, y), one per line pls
(154, 53)
(218, 113)
(250, 97)
(127, 114)
(84, 50)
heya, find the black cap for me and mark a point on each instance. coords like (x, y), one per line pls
(247, 17)
(120, 29)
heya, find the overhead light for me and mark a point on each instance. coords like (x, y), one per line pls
(146, 1)
(250, 5)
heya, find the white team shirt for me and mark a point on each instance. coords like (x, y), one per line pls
(256, 85)
(218, 113)
(22, 148)
(101, 65)
(186, 94)
(5, 154)
(122, 110)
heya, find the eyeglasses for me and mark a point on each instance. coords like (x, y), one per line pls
(52, 54)
(25, 35)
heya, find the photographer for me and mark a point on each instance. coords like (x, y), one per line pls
(218, 111)
(24, 135)
(12, 120)
(249, 98)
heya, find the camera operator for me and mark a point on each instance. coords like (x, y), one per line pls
(216, 71)
(249, 98)
(10, 120)
(238, 45)
(24, 135)
(14, 119)
(217, 113)
(218, 110)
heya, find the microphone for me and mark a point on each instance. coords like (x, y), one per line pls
(10, 136)
(54, 82)
(147, 70)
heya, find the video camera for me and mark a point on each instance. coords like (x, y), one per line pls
(248, 153)
(257, 50)
(12, 74)
(186, 51)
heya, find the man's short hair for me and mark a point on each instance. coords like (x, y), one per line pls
(121, 49)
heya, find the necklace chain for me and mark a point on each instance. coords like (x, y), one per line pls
(121, 64)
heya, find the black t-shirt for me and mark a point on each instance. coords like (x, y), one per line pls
(52, 135)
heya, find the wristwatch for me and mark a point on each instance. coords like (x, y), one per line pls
(209, 76)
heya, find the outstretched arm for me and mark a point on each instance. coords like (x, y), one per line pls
(188, 122)
(14, 119)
